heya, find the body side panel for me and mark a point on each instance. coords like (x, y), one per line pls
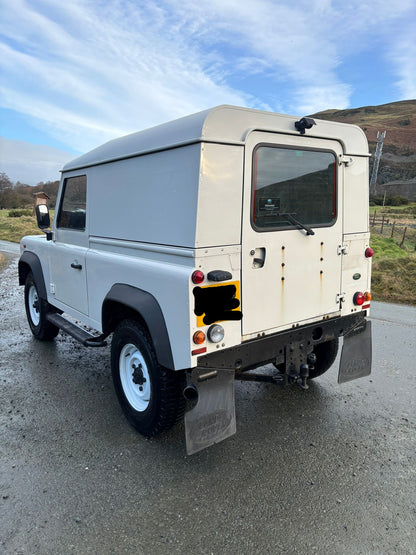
(166, 279)
(220, 194)
(144, 198)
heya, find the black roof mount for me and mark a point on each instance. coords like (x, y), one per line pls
(304, 123)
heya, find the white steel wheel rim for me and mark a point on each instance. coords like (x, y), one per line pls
(134, 377)
(33, 302)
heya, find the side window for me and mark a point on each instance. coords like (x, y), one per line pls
(293, 184)
(73, 206)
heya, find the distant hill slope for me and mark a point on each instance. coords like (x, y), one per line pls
(397, 171)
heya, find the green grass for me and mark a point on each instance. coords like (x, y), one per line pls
(385, 247)
(394, 210)
(394, 271)
(13, 229)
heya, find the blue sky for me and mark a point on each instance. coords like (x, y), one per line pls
(76, 74)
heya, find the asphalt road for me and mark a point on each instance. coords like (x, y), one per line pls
(6, 247)
(330, 470)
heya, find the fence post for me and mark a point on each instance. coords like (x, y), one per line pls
(392, 229)
(374, 218)
(382, 225)
(404, 236)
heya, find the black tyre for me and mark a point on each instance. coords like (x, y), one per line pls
(326, 353)
(36, 311)
(150, 395)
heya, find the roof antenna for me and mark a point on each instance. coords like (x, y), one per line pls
(304, 123)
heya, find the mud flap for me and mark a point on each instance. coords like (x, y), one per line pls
(356, 353)
(213, 418)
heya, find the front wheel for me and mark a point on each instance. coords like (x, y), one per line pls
(36, 311)
(151, 396)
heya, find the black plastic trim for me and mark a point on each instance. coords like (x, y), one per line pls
(219, 275)
(148, 309)
(32, 260)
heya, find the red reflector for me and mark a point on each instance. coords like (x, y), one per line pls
(358, 298)
(365, 306)
(197, 277)
(369, 252)
(199, 351)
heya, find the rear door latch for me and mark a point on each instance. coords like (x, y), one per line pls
(345, 159)
(342, 249)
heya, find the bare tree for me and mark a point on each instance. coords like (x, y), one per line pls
(5, 182)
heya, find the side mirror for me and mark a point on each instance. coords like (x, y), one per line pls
(42, 216)
(43, 219)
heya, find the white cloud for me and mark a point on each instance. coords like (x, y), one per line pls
(104, 75)
(90, 70)
(29, 163)
(403, 56)
(322, 96)
(302, 44)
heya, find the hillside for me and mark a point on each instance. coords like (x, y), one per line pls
(397, 171)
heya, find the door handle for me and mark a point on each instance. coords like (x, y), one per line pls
(76, 266)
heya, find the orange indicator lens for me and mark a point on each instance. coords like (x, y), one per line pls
(199, 337)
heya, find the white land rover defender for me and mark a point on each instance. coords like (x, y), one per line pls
(207, 247)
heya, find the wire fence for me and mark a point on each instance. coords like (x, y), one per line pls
(404, 234)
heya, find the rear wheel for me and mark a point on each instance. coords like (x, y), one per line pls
(326, 353)
(150, 395)
(36, 311)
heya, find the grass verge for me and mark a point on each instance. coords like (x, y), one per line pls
(13, 229)
(394, 272)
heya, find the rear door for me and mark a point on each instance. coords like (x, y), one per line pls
(292, 231)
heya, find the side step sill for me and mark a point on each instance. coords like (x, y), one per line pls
(81, 335)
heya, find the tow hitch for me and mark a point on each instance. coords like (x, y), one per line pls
(283, 379)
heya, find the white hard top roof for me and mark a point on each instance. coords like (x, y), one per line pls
(222, 124)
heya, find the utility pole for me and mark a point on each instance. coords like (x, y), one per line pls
(377, 156)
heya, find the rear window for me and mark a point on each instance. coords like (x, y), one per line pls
(293, 185)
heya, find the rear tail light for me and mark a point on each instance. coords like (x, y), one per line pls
(197, 277)
(369, 252)
(358, 298)
(361, 298)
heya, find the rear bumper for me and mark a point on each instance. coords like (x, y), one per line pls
(271, 348)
